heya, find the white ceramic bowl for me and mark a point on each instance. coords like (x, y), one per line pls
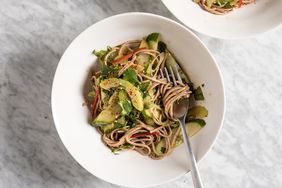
(247, 21)
(71, 118)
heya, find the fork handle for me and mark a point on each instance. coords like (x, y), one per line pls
(194, 168)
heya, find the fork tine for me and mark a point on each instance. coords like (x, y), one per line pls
(178, 75)
(166, 74)
(172, 75)
(162, 74)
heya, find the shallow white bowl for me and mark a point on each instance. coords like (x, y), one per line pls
(71, 118)
(247, 21)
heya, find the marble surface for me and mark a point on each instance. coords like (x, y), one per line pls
(33, 36)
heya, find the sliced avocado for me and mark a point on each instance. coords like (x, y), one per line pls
(153, 40)
(143, 44)
(110, 83)
(113, 99)
(197, 112)
(132, 91)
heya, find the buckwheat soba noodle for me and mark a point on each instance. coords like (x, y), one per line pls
(132, 103)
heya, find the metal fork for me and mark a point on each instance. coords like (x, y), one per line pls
(180, 110)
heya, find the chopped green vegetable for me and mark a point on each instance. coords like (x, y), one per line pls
(133, 92)
(159, 146)
(91, 94)
(131, 76)
(200, 122)
(121, 120)
(115, 150)
(161, 46)
(107, 116)
(100, 53)
(194, 126)
(146, 114)
(143, 44)
(144, 87)
(125, 107)
(198, 94)
(153, 40)
(197, 112)
(163, 149)
(107, 128)
(117, 125)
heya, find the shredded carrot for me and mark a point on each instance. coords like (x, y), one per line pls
(126, 56)
(240, 3)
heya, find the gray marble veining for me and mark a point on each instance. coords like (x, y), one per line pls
(33, 36)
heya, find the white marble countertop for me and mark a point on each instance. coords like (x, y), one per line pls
(33, 36)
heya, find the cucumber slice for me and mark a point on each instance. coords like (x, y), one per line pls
(143, 44)
(194, 126)
(107, 128)
(198, 94)
(153, 40)
(197, 112)
(160, 147)
(107, 116)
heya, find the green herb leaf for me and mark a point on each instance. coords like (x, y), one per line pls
(109, 71)
(144, 87)
(100, 54)
(131, 76)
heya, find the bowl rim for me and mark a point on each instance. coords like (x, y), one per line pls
(218, 36)
(177, 25)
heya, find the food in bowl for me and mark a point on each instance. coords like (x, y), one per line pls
(132, 103)
(220, 7)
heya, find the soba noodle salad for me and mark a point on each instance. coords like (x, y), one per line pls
(132, 104)
(222, 6)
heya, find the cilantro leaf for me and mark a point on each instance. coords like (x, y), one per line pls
(100, 53)
(131, 76)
